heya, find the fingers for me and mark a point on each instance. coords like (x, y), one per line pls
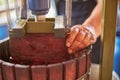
(80, 39)
(86, 42)
(72, 36)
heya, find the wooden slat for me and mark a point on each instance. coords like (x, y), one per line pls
(88, 60)
(22, 72)
(8, 71)
(39, 72)
(70, 70)
(81, 65)
(7, 49)
(56, 72)
(0, 51)
(4, 49)
(1, 78)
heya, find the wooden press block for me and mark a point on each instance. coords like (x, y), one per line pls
(19, 29)
(39, 72)
(40, 27)
(1, 76)
(8, 71)
(22, 72)
(70, 70)
(56, 71)
(81, 65)
(59, 29)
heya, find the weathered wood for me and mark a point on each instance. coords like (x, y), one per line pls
(56, 71)
(70, 70)
(8, 71)
(39, 49)
(39, 72)
(40, 27)
(19, 29)
(88, 56)
(4, 49)
(22, 72)
(1, 76)
(81, 66)
(0, 51)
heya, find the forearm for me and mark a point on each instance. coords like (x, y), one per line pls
(95, 18)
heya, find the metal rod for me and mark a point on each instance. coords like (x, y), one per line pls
(68, 15)
(23, 9)
(40, 18)
(8, 14)
(68, 12)
(16, 8)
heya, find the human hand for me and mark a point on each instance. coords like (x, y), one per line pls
(80, 37)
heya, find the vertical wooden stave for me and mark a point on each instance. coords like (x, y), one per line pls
(70, 70)
(88, 56)
(39, 72)
(8, 71)
(4, 50)
(22, 72)
(55, 71)
(0, 51)
(81, 65)
(1, 76)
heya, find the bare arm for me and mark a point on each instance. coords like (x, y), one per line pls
(83, 35)
(95, 18)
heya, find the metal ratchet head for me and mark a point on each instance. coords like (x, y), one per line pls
(68, 14)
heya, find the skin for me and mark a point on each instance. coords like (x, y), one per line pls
(81, 36)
